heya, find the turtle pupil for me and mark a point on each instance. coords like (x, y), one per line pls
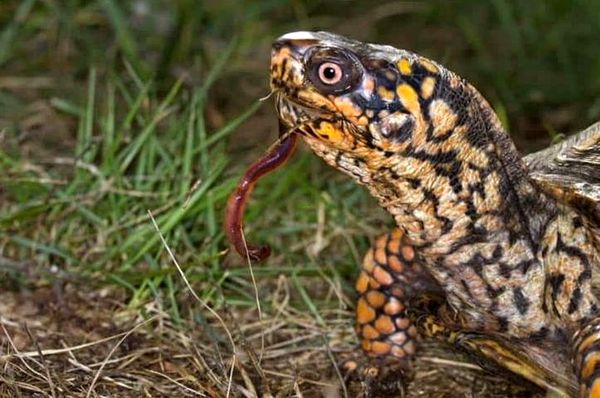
(329, 73)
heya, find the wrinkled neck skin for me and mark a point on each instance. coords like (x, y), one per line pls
(509, 257)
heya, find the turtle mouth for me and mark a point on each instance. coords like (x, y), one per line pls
(295, 115)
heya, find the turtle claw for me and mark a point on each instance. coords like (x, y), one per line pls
(368, 377)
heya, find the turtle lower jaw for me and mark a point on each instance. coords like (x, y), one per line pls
(294, 115)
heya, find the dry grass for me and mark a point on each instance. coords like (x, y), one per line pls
(91, 345)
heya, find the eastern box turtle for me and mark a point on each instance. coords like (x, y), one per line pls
(506, 247)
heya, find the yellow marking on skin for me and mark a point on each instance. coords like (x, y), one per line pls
(595, 389)
(427, 87)
(329, 132)
(590, 362)
(278, 58)
(427, 64)
(347, 108)
(409, 98)
(316, 100)
(390, 75)
(404, 66)
(385, 94)
(368, 85)
(363, 121)
(442, 116)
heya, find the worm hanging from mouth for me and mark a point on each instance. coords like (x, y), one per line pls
(236, 203)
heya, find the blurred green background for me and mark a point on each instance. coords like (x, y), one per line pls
(111, 108)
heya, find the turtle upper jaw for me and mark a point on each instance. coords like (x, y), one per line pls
(295, 115)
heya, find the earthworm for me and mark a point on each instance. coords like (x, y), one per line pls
(234, 212)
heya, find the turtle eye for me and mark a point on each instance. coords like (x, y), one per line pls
(332, 70)
(330, 73)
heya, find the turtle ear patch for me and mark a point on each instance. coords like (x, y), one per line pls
(396, 127)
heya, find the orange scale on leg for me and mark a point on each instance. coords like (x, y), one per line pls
(395, 264)
(408, 253)
(376, 299)
(362, 283)
(380, 347)
(369, 332)
(373, 284)
(409, 347)
(382, 276)
(368, 262)
(384, 325)
(393, 306)
(394, 245)
(380, 255)
(398, 338)
(364, 312)
(381, 242)
(366, 345)
(398, 352)
(412, 331)
(402, 323)
(397, 292)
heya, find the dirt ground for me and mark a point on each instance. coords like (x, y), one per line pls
(71, 341)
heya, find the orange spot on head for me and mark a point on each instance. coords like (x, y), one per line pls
(368, 85)
(427, 64)
(385, 94)
(363, 121)
(404, 66)
(346, 107)
(409, 98)
(329, 131)
(427, 87)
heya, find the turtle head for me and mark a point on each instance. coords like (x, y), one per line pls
(366, 104)
(350, 95)
(417, 135)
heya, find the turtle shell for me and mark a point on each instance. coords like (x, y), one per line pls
(570, 172)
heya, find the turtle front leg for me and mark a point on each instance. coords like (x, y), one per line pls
(390, 279)
(586, 358)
